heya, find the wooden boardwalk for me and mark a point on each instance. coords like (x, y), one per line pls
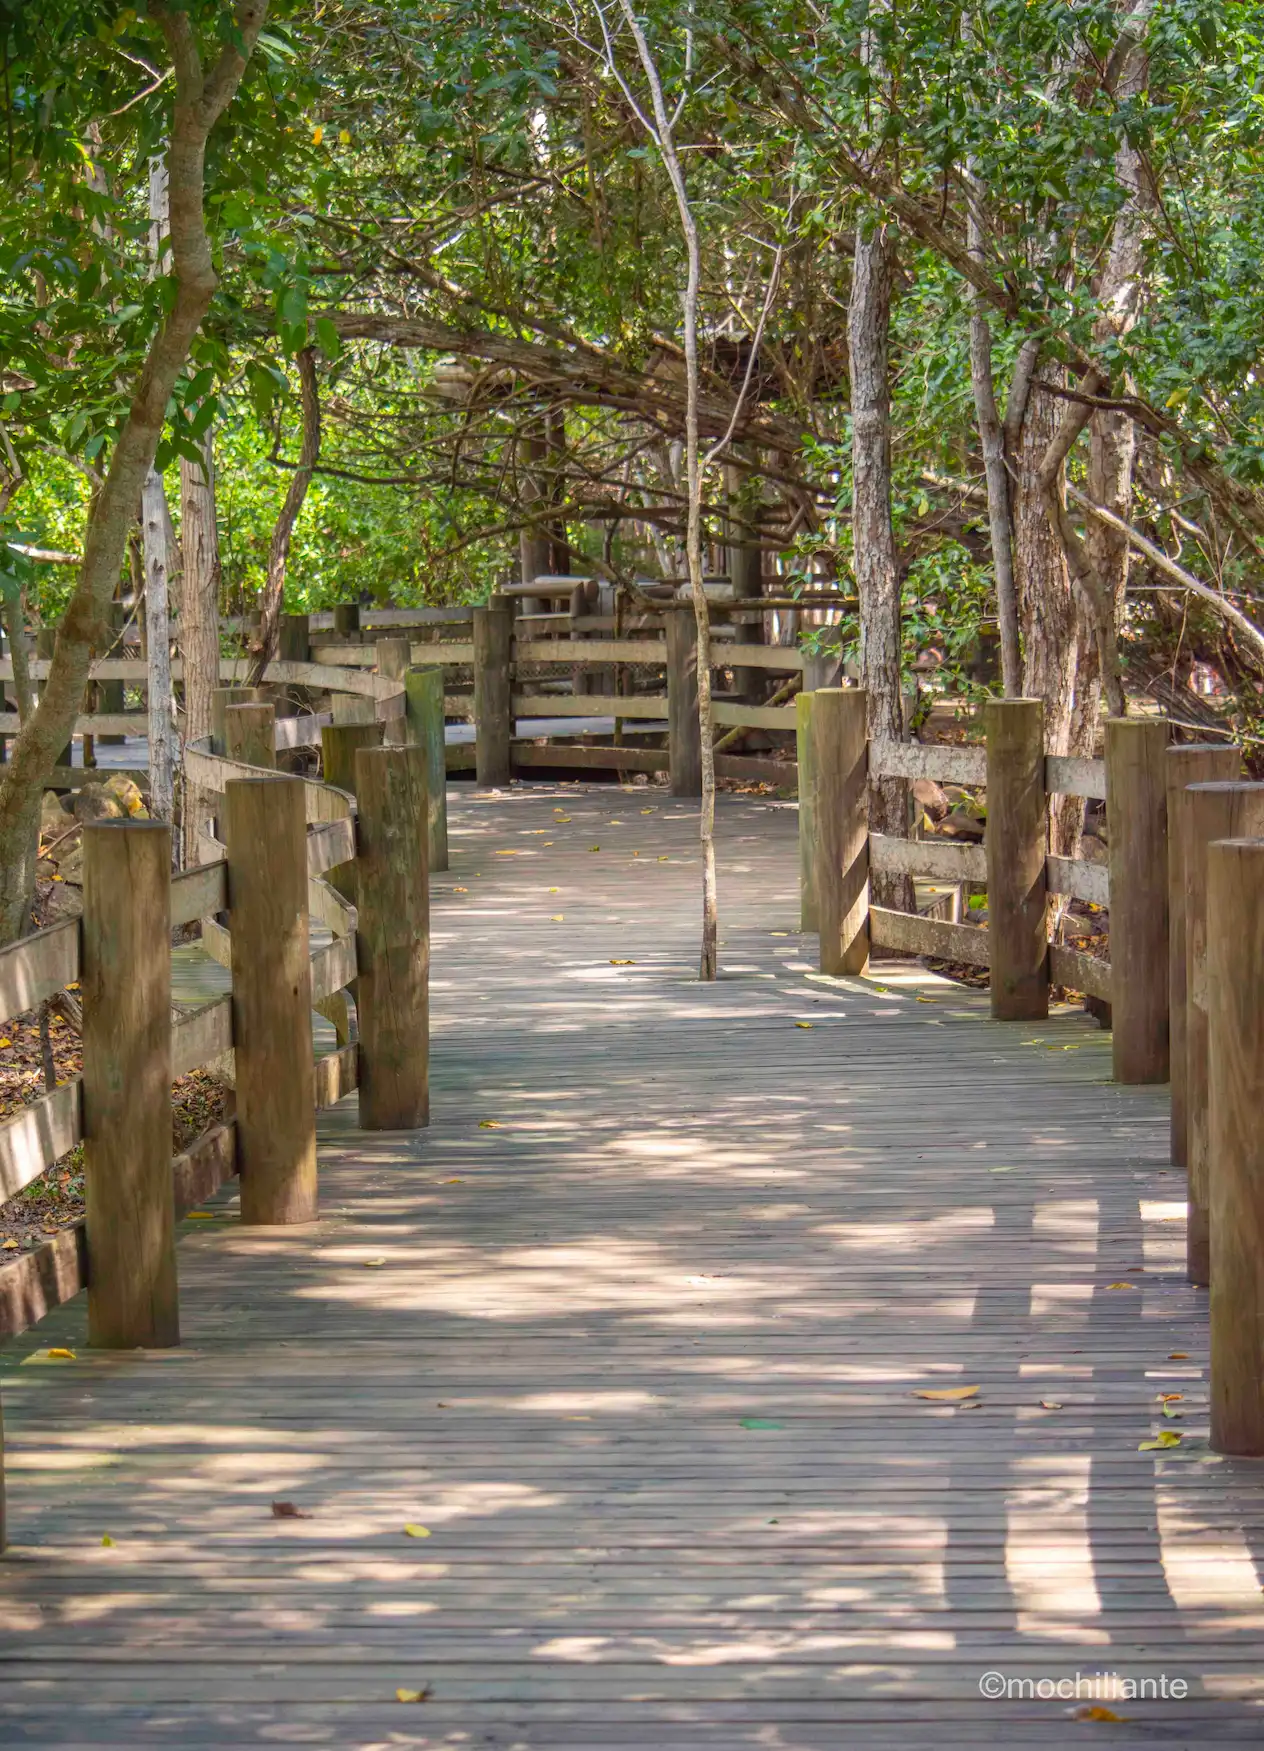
(635, 1333)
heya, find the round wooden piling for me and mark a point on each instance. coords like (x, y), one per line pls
(493, 704)
(393, 938)
(1016, 846)
(1136, 812)
(393, 657)
(807, 812)
(339, 745)
(1235, 1037)
(840, 757)
(266, 835)
(250, 734)
(125, 975)
(424, 689)
(1186, 763)
(1208, 812)
(684, 733)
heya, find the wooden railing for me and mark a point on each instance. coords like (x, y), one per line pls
(289, 850)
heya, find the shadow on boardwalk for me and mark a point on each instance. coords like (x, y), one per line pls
(634, 1335)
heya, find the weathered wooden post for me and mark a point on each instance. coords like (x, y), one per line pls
(493, 704)
(840, 757)
(339, 745)
(424, 688)
(393, 938)
(684, 732)
(393, 656)
(347, 620)
(294, 642)
(1221, 810)
(1016, 846)
(221, 699)
(266, 834)
(1136, 812)
(250, 734)
(125, 978)
(1235, 1038)
(1187, 763)
(807, 811)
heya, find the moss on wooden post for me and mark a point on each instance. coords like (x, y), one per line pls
(1235, 1039)
(266, 834)
(424, 689)
(393, 938)
(339, 745)
(1016, 845)
(125, 974)
(840, 754)
(493, 704)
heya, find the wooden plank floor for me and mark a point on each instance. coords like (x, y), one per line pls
(634, 1332)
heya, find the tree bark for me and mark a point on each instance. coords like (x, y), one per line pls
(269, 634)
(161, 723)
(199, 625)
(877, 571)
(201, 96)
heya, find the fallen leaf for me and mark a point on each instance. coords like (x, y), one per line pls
(760, 1423)
(62, 1356)
(1169, 1397)
(107, 1541)
(779, 933)
(417, 1531)
(803, 1024)
(10, 1245)
(507, 854)
(200, 1215)
(287, 1511)
(647, 811)
(6, 1042)
(490, 1125)
(555, 890)
(1050, 1404)
(1121, 1285)
(946, 1392)
(1164, 1438)
(623, 963)
(558, 918)
(594, 848)
(1170, 1410)
(460, 890)
(372, 1264)
(422, 1695)
(664, 858)
(1097, 1712)
(454, 1182)
(922, 999)
(1178, 1355)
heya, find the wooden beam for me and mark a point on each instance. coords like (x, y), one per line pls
(839, 748)
(1016, 846)
(1136, 753)
(493, 637)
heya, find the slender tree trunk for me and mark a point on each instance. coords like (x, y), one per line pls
(992, 444)
(877, 573)
(279, 552)
(199, 625)
(201, 96)
(161, 723)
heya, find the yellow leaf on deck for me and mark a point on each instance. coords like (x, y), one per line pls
(1050, 1404)
(413, 1695)
(454, 1182)
(623, 963)
(1169, 1397)
(460, 890)
(1165, 1438)
(107, 1540)
(200, 1215)
(370, 1264)
(946, 1392)
(10, 1245)
(647, 811)
(803, 1024)
(489, 1125)
(1178, 1355)
(417, 1531)
(1121, 1285)
(594, 848)
(507, 854)
(558, 918)
(62, 1356)
(1097, 1712)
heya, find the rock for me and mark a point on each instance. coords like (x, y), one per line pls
(54, 819)
(931, 798)
(63, 900)
(126, 792)
(68, 856)
(93, 802)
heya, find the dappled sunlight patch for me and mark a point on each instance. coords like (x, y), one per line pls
(926, 1231)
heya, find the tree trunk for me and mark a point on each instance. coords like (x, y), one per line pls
(877, 573)
(161, 724)
(201, 96)
(199, 626)
(279, 552)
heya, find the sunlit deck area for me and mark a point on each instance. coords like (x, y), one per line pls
(591, 1417)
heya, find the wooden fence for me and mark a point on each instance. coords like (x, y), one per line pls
(292, 851)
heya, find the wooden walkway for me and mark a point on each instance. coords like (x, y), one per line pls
(635, 1334)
